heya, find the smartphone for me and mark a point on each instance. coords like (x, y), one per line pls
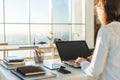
(64, 71)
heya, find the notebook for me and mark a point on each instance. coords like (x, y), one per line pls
(70, 50)
(47, 74)
(30, 70)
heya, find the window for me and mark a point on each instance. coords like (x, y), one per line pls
(39, 33)
(17, 33)
(1, 11)
(1, 33)
(29, 21)
(40, 11)
(69, 19)
(16, 11)
(60, 10)
(62, 32)
(78, 11)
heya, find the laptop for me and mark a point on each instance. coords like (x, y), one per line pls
(69, 51)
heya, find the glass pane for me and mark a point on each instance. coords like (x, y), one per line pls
(17, 33)
(39, 33)
(1, 11)
(78, 32)
(1, 55)
(62, 31)
(60, 11)
(1, 38)
(40, 11)
(1, 33)
(78, 11)
(16, 11)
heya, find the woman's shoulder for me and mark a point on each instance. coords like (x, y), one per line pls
(111, 26)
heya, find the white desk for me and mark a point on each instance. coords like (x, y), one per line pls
(76, 74)
(26, 47)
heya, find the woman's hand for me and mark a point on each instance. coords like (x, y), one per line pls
(79, 60)
(89, 58)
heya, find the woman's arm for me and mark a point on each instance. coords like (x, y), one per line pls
(96, 67)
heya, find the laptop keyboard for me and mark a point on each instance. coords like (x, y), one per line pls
(72, 63)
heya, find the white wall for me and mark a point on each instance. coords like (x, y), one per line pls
(89, 19)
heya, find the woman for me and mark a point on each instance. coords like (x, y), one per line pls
(105, 62)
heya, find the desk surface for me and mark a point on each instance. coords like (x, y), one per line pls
(75, 75)
(27, 47)
(24, 47)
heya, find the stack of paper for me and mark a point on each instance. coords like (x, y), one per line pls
(12, 62)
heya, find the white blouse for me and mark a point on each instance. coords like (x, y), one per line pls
(105, 63)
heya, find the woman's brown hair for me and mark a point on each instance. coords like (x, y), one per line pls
(112, 9)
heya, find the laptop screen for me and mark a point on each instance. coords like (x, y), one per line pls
(70, 50)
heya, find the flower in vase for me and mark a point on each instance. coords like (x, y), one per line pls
(50, 36)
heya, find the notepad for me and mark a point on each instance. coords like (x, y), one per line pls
(30, 70)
